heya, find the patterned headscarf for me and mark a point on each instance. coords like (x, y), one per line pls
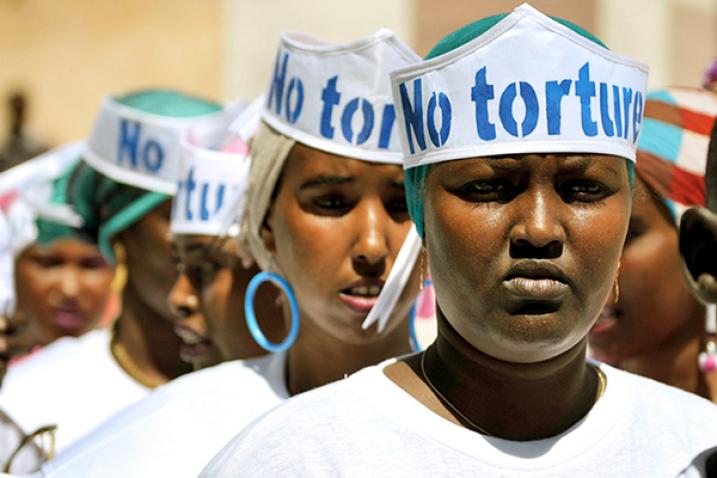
(672, 152)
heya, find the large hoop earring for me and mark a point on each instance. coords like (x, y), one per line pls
(412, 337)
(250, 315)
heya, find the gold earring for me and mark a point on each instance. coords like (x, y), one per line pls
(616, 285)
(120, 278)
(615, 292)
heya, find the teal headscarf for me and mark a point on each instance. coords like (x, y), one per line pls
(49, 230)
(415, 178)
(108, 207)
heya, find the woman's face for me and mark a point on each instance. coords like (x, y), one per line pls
(335, 228)
(62, 288)
(654, 304)
(150, 271)
(208, 301)
(523, 250)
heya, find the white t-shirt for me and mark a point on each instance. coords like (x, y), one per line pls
(73, 383)
(180, 426)
(368, 426)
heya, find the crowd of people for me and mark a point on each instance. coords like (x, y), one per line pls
(520, 178)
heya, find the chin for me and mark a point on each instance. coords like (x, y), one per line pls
(531, 346)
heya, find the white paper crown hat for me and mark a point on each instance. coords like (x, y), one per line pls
(142, 149)
(337, 98)
(25, 194)
(213, 182)
(527, 85)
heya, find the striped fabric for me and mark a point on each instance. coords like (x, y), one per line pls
(672, 152)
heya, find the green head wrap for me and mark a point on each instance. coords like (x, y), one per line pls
(415, 178)
(49, 230)
(109, 207)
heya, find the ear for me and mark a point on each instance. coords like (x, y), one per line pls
(698, 248)
(267, 234)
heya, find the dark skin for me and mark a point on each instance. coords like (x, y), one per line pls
(144, 328)
(656, 327)
(62, 288)
(698, 235)
(208, 301)
(520, 273)
(335, 229)
(698, 247)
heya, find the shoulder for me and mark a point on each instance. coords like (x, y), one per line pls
(282, 440)
(61, 358)
(191, 417)
(236, 375)
(661, 395)
(679, 416)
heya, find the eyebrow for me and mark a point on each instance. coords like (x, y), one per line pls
(398, 185)
(326, 180)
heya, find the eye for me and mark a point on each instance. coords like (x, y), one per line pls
(201, 274)
(487, 190)
(397, 205)
(93, 263)
(583, 190)
(47, 261)
(330, 202)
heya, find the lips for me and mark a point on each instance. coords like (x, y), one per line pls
(536, 281)
(195, 346)
(362, 295)
(70, 319)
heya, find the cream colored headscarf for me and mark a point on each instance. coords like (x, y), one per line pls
(269, 151)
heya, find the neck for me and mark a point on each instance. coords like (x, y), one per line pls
(674, 362)
(145, 345)
(537, 400)
(317, 358)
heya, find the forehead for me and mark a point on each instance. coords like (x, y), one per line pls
(200, 244)
(563, 162)
(65, 246)
(305, 161)
(192, 241)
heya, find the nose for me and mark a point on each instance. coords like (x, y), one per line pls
(538, 233)
(371, 245)
(182, 299)
(70, 282)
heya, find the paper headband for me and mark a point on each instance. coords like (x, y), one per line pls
(337, 98)
(527, 85)
(210, 191)
(142, 149)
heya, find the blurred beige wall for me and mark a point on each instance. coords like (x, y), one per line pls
(437, 18)
(676, 38)
(253, 28)
(68, 54)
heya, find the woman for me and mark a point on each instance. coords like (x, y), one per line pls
(523, 245)
(208, 297)
(63, 281)
(655, 327)
(327, 214)
(78, 383)
(34, 210)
